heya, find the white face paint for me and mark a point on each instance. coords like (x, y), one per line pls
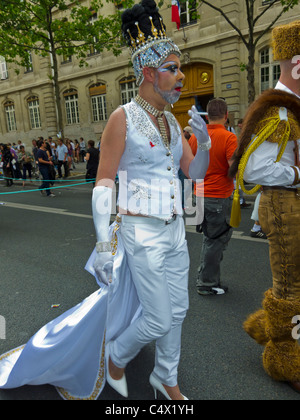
(170, 66)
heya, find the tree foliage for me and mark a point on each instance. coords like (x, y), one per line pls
(58, 27)
(52, 28)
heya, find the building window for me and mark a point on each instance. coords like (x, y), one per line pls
(71, 101)
(29, 68)
(267, 2)
(128, 88)
(3, 69)
(98, 100)
(34, 112)
(66, 59)
(188, 13)
(10, 116)
(269, 70)
(93, 50)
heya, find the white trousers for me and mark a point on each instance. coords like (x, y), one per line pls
(158, 259)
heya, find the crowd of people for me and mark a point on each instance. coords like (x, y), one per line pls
(45, 158)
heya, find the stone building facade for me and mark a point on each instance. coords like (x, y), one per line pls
(212, 55)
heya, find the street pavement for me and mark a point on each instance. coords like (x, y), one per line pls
(44, 245)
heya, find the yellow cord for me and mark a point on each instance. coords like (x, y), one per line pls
(259, 139)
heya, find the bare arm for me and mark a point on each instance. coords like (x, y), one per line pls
(187, 157)
(45, 162)
(112, 148)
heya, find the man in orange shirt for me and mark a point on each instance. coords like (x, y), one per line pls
(218, 188)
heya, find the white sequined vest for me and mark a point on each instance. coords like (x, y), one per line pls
(148, 170)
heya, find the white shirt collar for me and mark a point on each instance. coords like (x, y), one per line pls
(281, 86)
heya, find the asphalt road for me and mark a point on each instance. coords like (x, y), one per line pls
(44, 245)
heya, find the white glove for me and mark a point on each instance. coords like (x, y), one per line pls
(199, 165)
(198, 125)
(101, 205)
(103, 266)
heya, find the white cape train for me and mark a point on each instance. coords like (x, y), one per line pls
(68, 352)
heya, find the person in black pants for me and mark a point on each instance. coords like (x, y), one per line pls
(92, 159)
(44, 164)
(7, 164)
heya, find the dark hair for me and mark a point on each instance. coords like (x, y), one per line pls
(39, 143)
(140, 13)
(216, 109)
(91, 143)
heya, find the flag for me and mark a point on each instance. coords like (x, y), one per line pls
(176, 12)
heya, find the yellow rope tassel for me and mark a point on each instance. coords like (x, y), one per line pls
(236, 216)
(259, 139)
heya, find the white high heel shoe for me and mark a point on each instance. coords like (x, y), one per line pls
(158, 386)
(119, 385)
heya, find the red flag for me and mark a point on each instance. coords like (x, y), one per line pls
(176, 12)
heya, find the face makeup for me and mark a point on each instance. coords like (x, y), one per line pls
(172, 94)
(170, 66)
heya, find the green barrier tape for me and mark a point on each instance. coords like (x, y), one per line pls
(44, 189)
(48, 180)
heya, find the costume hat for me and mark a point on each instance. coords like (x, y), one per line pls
(145, 34)
(286, 41)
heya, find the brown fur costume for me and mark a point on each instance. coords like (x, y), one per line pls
(273, 327)
(264, 107)
(286, 41)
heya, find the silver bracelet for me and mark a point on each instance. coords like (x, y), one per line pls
(103, 247)
(204, 147)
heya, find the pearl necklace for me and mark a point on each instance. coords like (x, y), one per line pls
(157, 114)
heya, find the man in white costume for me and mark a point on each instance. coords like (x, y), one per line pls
(141, 261)
(145, 145)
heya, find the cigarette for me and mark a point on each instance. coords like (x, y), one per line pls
(202, 113)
